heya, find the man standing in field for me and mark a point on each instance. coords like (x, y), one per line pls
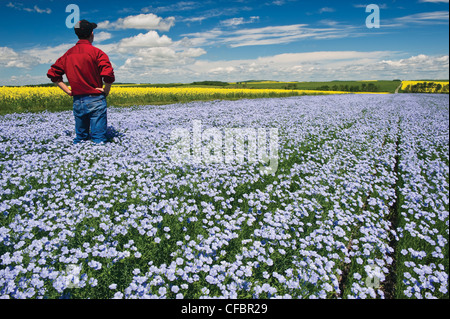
(86, 68)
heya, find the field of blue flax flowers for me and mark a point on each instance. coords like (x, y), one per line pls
(358, 206)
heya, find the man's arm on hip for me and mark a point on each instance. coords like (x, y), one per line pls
(106, 89)
(64, 87)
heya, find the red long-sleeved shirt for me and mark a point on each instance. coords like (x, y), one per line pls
(85, 67)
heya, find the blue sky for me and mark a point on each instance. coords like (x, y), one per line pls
(233, 40)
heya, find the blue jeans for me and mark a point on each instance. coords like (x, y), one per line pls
(90, 113)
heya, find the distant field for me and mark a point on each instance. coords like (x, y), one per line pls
(346, 86)
(363, 86)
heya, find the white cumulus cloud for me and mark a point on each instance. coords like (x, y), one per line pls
(102, 36)
(9, 58)
(49, 54)
(149, 39)
(142, 21)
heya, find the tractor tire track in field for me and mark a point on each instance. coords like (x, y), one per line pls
(388, 286)
(346, 270)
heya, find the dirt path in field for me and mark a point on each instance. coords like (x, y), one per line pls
(388, 286)
(397, 89)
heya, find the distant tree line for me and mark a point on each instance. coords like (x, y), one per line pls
(364, 87)
(427, 87)
(211, 83)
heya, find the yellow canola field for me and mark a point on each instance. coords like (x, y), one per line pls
(31, 93)
(208, 93)
(405, 85)
(211, 93)
(26, 93)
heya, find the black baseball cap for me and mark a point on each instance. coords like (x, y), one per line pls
(84, 28)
